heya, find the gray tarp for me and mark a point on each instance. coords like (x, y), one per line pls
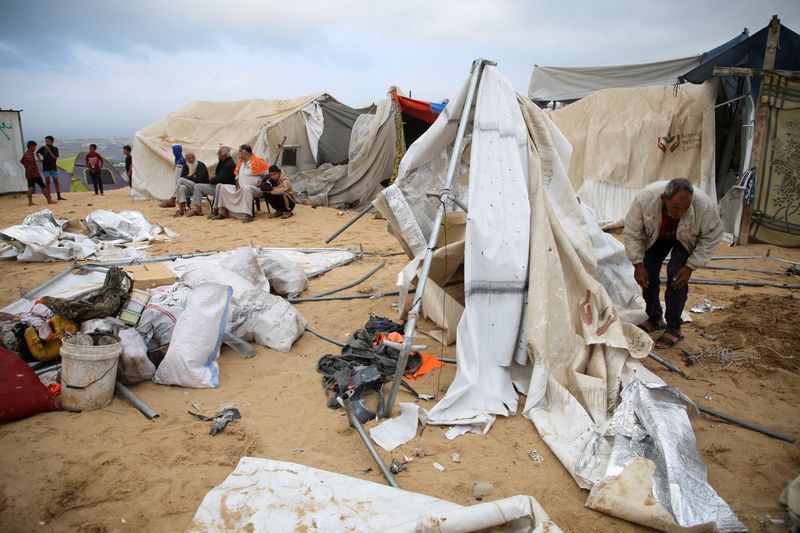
(571, 83)
(334, 143)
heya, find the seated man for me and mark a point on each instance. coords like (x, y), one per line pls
(278, 193)
(224, 174)
(237, 200)
(194, 173)
(672, 219)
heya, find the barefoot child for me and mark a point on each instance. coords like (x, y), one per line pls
(94, 162)
(32, 174)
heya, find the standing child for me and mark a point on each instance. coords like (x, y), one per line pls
(32, 174)
(94, 162)
(126, 151)
(48, 155)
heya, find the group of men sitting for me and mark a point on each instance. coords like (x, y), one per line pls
(234, 187)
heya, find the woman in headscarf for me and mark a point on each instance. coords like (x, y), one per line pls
(237, 200)
(180, 162)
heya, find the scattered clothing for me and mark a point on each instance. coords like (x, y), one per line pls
(380, 324)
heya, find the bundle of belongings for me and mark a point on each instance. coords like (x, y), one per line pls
(171, 333)
(366, 364)
(102, 234)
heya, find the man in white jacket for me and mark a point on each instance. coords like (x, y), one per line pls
(674, 219)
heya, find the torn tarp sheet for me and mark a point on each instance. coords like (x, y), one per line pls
(652, 441)
(41, 237)
(125, 226)
(396, 431)
(266, 495)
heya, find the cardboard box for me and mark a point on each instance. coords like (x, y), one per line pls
(149, 275)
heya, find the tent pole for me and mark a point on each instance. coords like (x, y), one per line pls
(366, 209)
(411, 325)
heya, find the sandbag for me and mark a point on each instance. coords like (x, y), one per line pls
(268, 319)
(21, 393)
(162, 311)
(191, 359)
(244, 262)
(202, 272)
(134, 365)
(287, 278)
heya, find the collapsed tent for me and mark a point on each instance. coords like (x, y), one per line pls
(531, 314)
(12, 174)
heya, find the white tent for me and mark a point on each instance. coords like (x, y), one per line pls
(534, 316)
(12, 146)
(315, 130)
(563, 84)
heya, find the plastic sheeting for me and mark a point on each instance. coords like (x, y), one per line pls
(651, 426)
(40, 237)
(125, 226)
(268, 495)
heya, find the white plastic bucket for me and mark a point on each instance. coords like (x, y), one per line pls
(88, 375)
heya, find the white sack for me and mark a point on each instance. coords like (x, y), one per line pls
(191, 360)
(243, 262)
(268, 319)
(286, 277)
(134, 365)
(162, 311)
(201, 272)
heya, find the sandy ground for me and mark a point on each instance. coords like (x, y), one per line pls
(113, 470)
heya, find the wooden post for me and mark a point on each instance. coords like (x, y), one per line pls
(760, 123)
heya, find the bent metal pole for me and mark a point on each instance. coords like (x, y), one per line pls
(413, 314)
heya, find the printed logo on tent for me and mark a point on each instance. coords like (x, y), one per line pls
(669, 141)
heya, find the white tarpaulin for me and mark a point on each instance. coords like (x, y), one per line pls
(561, 84)
(575, 353)
(625, 139)
(12, 174)
(266, 495)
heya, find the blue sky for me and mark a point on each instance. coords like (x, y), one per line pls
(99, 68)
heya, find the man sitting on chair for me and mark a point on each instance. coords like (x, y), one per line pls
(194, 173)
(278, 192)
(237, 200)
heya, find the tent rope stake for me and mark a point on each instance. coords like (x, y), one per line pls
(413, 314)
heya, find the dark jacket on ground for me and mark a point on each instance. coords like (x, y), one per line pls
(200, 173)
(224, 175)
